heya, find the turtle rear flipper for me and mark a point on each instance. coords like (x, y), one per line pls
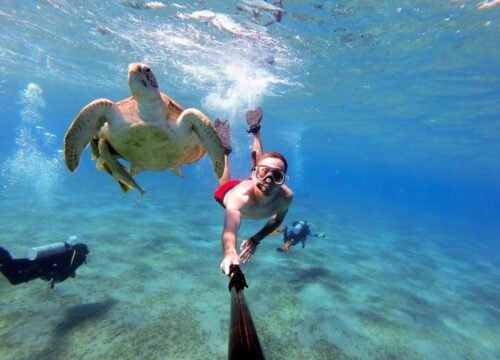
(223, 131)
(198, 122)
(84, 128)
(254, 117)
(112, 166)
(101, 165)
(94, 154)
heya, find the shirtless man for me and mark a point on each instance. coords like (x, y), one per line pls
(263, 195)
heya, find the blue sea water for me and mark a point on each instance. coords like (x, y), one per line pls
(389, 116)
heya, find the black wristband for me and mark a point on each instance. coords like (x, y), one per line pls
(252, 239)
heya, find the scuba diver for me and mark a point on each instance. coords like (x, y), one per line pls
(53, 263)
(298, 233)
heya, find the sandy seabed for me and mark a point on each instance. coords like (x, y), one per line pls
(372, 289)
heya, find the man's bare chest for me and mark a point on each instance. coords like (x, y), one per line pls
(260, 210)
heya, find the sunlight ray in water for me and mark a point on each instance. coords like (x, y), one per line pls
(34, 166)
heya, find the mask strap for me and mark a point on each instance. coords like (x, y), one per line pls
(254, 160)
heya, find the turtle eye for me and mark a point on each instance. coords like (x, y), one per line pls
(147, 69)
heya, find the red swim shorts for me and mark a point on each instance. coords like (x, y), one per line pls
(223, 190)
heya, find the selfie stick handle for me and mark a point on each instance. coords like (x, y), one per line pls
(243, 340)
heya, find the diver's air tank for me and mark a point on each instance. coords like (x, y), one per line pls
(47, 250)
(298, 227)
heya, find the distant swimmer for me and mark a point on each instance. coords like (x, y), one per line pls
(263, 12)
(297, 234)
(103, 30)
(264, 5)
(221, 21)
(202, 15)
(262, 195)
(487, 4)
(149, 130)
(141, 4)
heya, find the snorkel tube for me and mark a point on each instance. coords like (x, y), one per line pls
(254, 160)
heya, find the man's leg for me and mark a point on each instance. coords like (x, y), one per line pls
(226, 176)
(253, 120)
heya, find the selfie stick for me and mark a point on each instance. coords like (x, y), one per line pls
(243, 341)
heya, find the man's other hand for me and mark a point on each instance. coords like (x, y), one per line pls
(247, 249)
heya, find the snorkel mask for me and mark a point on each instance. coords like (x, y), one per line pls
(268, 177)
(266, 173)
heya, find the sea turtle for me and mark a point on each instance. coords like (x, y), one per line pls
(149, 130)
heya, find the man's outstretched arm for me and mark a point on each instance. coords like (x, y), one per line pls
(229, 239)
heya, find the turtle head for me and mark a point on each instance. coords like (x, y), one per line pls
(142, 82)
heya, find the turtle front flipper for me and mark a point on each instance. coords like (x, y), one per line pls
(84, 128)
(198, 122)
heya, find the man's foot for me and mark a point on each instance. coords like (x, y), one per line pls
(222, 128)
(254, 117)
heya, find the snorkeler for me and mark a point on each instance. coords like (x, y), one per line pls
(53, 263)
(487, 4)
(263, 13)
(298, 233)
(260, 196)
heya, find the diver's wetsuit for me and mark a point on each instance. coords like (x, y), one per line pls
(53, 268)
(290, 236)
